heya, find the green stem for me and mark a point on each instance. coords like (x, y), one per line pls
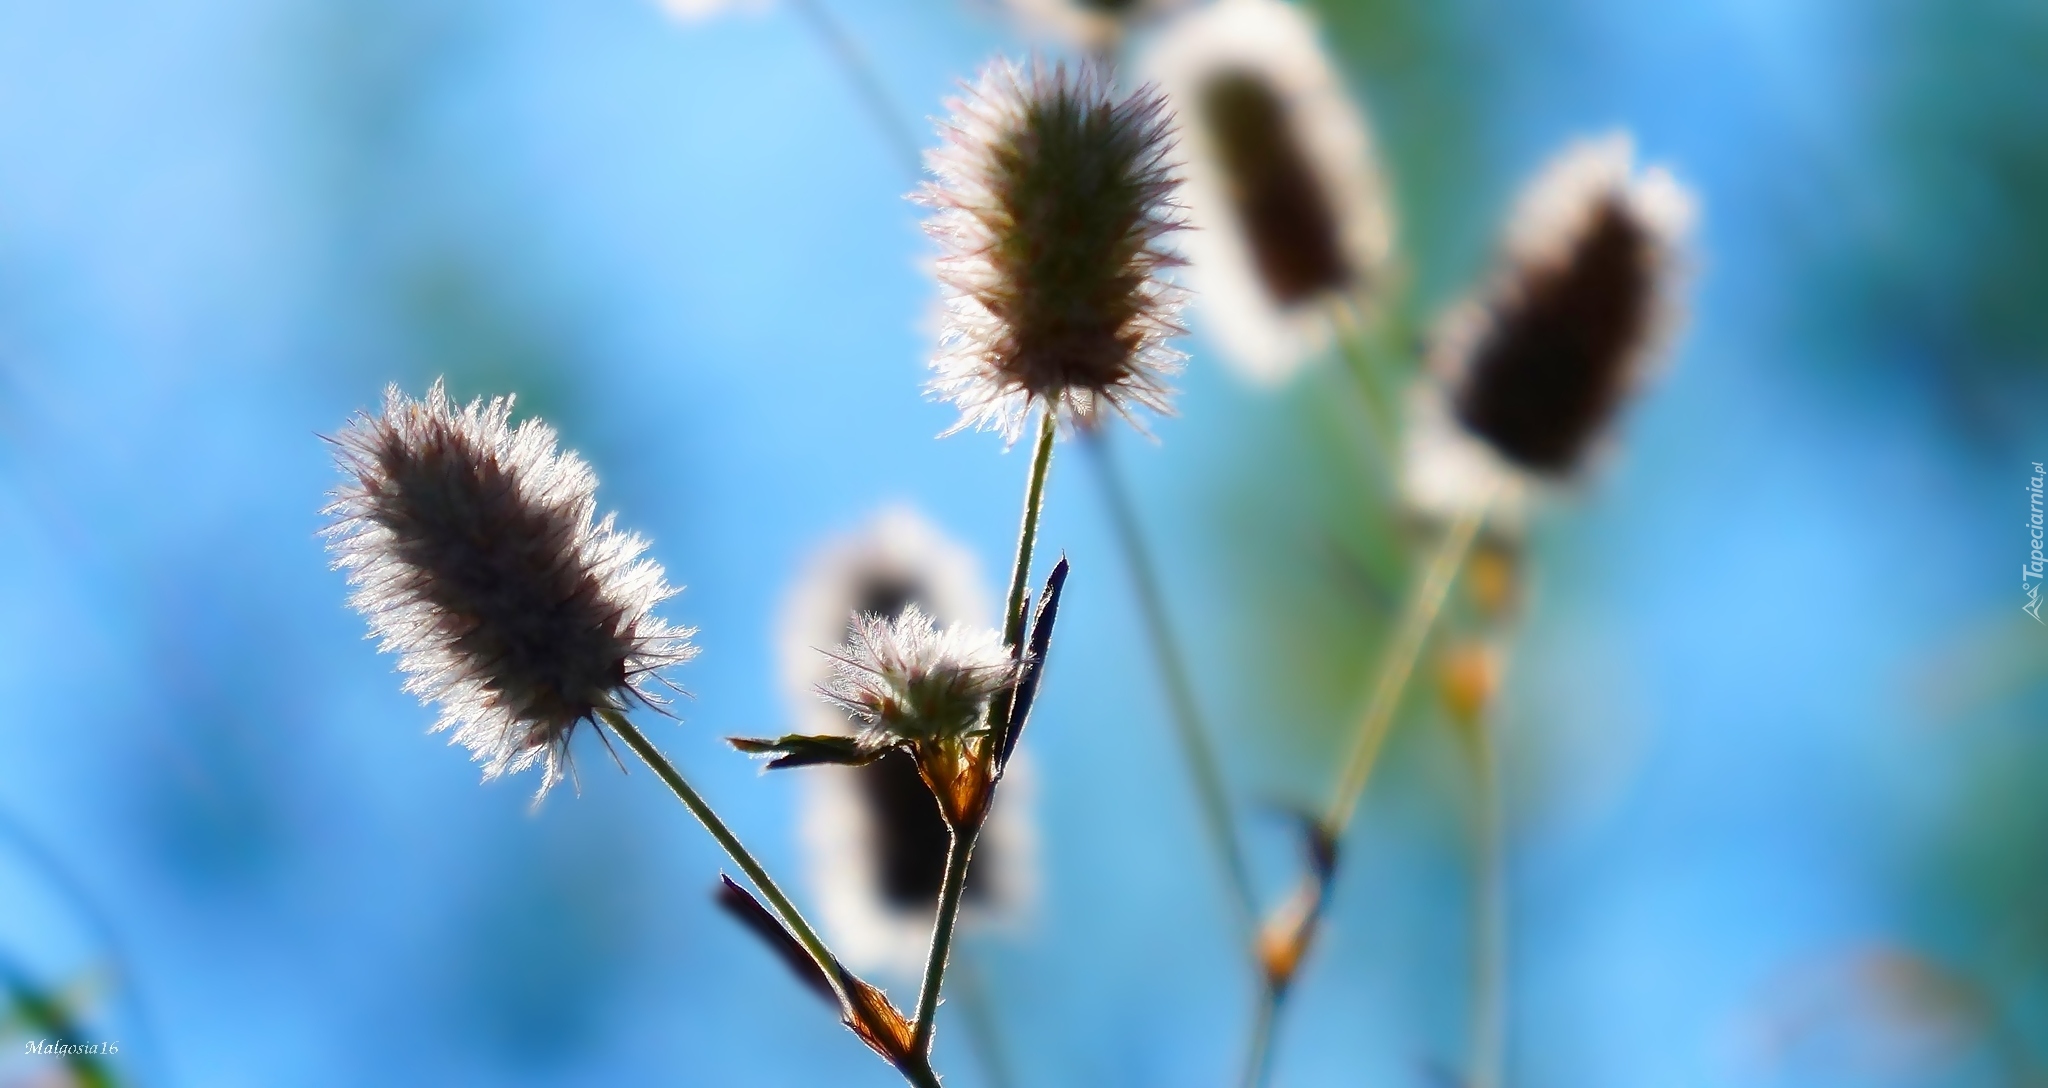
(737, 850)
(976, 1002)
(1186, 715)
(959, 852)
(1489, 917)
(867, 84)
(918, 1071)
(960, 849)
(1399, 663)
(1027, 533)
(1258, 1061)
(1358, 359)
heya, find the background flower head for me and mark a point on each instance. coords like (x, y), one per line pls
(1583, 297)
(1283, 186)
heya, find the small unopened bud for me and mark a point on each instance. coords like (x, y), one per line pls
(475, 555)
(1538, 365)
(1468, 675)
(1493, 577)
(1053, 194)
(1283, 188)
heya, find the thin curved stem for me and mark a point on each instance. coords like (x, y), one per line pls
(1398, 664)
(867, 84)
(71, 887)
(959, 853)
(1258, 1061)
(972, 988)
(1027, 533)
(1365, 374)
(735, 849)
(960, 849)
(1204, 768)
(1487, 1060)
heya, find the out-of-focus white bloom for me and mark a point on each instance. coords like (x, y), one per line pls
(475, 556)
(1446, 472)
(1283, 187)
(1525, 375)
(1583, 297)
(1053, 194)
(1092, 25)
(696, 11)
(873, 836)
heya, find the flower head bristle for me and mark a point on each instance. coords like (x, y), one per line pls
(910, 681)
(476, 558)
(1053, 195)
(1539, 365)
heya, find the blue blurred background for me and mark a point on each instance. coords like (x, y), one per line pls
(1775, 726)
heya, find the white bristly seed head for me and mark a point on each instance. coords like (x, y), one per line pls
(476, 558)
(1053, 195)
(909, 681)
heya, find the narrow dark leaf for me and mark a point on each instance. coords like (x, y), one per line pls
(748, 911)
(800, 750)
(1034, 661)
(1320, 842)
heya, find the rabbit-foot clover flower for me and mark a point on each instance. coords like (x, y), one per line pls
(476, 557)
(1053, 195)
(912, 683)
(1525, 377)
(1582, 300)
(1283, 187)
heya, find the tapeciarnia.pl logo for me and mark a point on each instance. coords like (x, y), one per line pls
(2037, 564)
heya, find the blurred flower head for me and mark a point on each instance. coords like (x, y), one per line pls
(1525, 376)
(475, 555)
(1053, 193)
(1584, 295)
(1283, 188)
(873, 835)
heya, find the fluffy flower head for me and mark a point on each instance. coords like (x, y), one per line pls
(906, 679)
(1052, 195)
(476, 557)
(1582, 299)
